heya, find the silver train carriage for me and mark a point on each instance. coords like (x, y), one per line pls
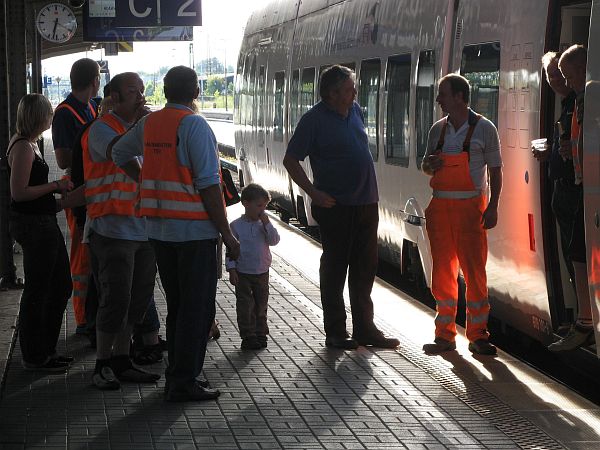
(399, 49)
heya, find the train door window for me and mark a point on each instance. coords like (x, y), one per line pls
(307, 90)
(278, 112)
(294, 98)
(368, 99)
(252, 95)
(260, 98)
(246, 92)
(425, 101)
(481, 66)
(396, 126)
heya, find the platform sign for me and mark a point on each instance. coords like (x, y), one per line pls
(102, 8)
(104, 29)
(47, 81)
(151, 13)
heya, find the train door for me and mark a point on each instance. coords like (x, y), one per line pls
(568, 24)
(501, 61)
(591, 164)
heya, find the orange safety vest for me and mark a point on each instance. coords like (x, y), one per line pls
(108, 190)
(575, 128)
(75, 113)
(166, 187)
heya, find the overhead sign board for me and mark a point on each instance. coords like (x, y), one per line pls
(102, 28)
(151, 13)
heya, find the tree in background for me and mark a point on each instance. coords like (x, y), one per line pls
(215, 84)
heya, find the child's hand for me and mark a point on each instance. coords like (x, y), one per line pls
(233, 277)
(264, 218)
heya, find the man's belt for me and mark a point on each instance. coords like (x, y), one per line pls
(460, 195)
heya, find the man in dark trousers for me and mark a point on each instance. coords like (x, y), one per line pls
(344, 203)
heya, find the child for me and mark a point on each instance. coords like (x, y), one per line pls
(250, 272)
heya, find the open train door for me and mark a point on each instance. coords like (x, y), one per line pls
(591, 166)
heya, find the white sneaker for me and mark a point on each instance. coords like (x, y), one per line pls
(575, 338)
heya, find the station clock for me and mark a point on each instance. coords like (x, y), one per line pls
(56, 23)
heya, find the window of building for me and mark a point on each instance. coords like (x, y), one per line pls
(425, 101)
(368, 99)
(307, 90)
(481, 66)
(278, 84)
(396, 126)
(294, 98)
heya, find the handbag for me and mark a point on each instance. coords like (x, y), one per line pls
(230, 192)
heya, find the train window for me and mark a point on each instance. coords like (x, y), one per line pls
(245, 92)
(307, 90)
(278, 113)
(425, 101)
(368, 99)
(251, 110)
(396, 126)
(260, 97)
(294, 106)
(481, 66)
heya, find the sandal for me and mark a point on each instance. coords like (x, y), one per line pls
(149, 354)
(214, 332)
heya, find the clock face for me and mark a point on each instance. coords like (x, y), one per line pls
(56, 23)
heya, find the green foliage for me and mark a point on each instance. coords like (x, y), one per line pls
(149, 89)
(215, 84)
(158, 96)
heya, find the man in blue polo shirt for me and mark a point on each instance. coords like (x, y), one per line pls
(344, 203)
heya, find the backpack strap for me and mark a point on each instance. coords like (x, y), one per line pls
(473, 119)
(440, 144)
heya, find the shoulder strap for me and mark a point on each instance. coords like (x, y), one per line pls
(473, 119)
(12, 145)
(440, 144)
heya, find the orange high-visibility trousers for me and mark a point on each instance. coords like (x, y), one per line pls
(458, 239)
(80, 268)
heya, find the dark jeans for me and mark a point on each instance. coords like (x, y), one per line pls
(48, 284)
(349, 239)
(252, 297)
(188, 272)
(565, 199)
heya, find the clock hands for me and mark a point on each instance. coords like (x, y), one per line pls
(54, 29)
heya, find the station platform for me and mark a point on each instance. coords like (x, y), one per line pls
(298, 394)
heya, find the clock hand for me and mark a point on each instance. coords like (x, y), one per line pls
(54, 29)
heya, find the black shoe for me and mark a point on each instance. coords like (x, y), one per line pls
(52, 365)
(482, 347)
(377, 339)
(203, 382)
(439, 345)
(193, 392)
(251, 343)
(150, 354)
(105, 379)
(135, 375)
(214, 333)
(345, 343)
(262, 340)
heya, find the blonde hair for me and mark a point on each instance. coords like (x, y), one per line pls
(33, 113)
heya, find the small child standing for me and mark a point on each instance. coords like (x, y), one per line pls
(250, 272)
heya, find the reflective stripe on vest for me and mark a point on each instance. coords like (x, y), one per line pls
(108, 190)
(75, 113)
(575, 149)
(167, 188)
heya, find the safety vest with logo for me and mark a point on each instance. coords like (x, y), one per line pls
(64, 105)
(108, 190)
(454, 180)
(166, 187)
(575, 149)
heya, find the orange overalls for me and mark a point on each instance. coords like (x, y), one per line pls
(458, 239)
(79, 258)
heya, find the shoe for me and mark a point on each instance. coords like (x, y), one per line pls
(135, 375)
(51, 365)
(344, 343)
(193, 392)
(203, 382)
(150, 354)
(82, 330)
(575, 338)
(65, 359)
(377, 339)
(439, 345)
(105, 379)
(214, 333)
(262, 340)
(482, 347)
(251, 343)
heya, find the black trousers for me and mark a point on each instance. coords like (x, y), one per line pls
(48, 284)
(188, 272)
(566, 198)
(349, 240)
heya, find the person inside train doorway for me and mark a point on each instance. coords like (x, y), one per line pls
(345, 205)
(122, 259)
(572, 64)
(565, 193)
(459, 149)
(69, 117)
(180, 191)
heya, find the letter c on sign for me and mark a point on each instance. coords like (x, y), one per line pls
(136, 13)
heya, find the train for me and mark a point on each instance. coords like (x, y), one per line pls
(399, 49)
